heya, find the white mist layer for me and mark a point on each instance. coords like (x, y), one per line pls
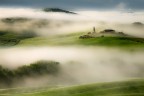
(108, 16)
(78, 65)
(62, 23)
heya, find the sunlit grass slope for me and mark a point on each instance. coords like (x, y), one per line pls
(125, 88)
(29, 39)
(73, 39)
(69, 39)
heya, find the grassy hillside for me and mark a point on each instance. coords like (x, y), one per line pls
(73, 39)
(127, 88)
(10, 38)
(30, 39)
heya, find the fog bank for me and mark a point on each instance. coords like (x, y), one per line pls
(78, 65)
(52, 23)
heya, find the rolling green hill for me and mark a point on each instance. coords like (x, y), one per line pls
(73, 39)
(125, 88)
(30, 39)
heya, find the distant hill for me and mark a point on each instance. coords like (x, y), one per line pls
(14, 19)
(57, 10)
(138, 24)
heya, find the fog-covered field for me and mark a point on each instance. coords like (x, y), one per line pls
(78, 64)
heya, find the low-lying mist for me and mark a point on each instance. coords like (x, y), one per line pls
(52, 23)
(78, 65)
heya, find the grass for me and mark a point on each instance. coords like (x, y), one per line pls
(73, 39)
(9, 38)
(113, 41)
(70, 39)
(125, 88)
(29, 39)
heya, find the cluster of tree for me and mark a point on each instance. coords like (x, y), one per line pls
(36, 69)
(5, 75)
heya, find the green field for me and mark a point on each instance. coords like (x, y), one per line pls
(30, 39)
(10, 38)
(73, 39)
(125, 88)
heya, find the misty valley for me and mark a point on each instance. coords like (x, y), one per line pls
(56, 52)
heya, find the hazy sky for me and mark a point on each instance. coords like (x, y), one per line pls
(77, 4)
